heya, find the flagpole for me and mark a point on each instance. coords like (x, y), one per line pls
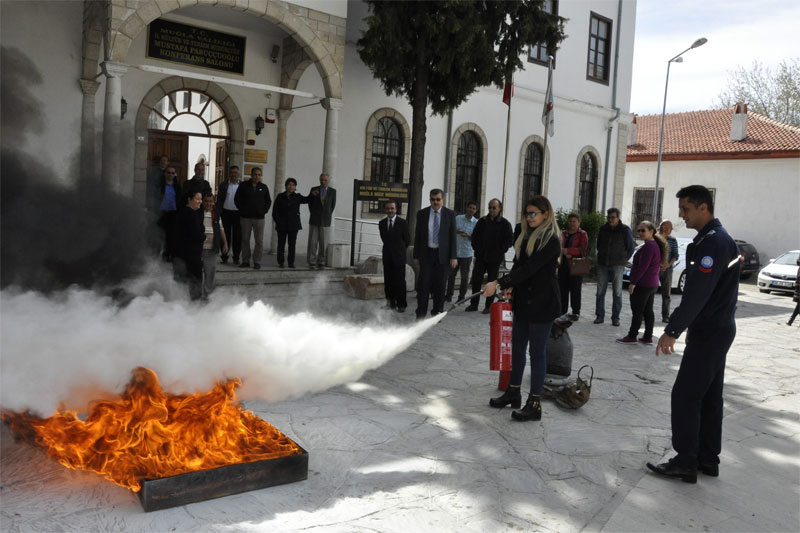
(508, 132)
(545, 167)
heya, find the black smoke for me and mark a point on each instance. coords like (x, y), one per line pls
(53, 234)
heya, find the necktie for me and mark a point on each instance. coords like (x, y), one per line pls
(390, 224)
(435, 236)
(322, 195)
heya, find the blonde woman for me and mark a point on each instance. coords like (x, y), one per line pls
(534, 286)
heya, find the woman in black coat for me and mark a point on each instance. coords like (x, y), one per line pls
(189, 237)
(534, 285)
(286, 215)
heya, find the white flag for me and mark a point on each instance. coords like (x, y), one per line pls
(548, 115)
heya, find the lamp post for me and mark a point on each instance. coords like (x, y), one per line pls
(677, 59)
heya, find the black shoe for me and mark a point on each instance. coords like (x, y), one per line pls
(510, 397)
(280, 265)
(598, 320)
(709, 469)
(448, 299)
(291, 265)
(665, 319)
(531, 411)
(669, 469)
(244, 265)
(256, 266)
(615, 323)
(486, 310)
(471, 308)
(401, 309)
(224, 260)
(434, 313)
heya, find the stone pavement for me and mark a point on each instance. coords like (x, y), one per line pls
(413, 445)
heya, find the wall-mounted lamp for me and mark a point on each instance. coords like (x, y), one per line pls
(123, 108)
(259, 124)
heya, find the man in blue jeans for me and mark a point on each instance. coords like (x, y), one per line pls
(614, 247)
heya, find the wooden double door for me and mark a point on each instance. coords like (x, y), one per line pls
(176, 147)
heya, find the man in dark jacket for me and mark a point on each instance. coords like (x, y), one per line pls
(434, 252)
(614, 247)
(321, 203)
(198, 183)
(252, 200)
(287, 219)
(396, 238)
(226, 209)
(708, 310)
(491, 238)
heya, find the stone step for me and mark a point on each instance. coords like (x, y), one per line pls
(271, 274)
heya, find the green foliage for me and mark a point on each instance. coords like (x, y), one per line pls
(773, 94)
(453, 47)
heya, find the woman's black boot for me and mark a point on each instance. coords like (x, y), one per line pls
(531, 411)
(510, 396)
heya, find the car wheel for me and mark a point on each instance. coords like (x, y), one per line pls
(681, 282)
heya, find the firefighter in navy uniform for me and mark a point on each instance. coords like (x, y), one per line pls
(707, 310)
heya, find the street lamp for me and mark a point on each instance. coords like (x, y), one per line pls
(677, 59)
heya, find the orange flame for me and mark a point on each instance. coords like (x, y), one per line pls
(150, 434)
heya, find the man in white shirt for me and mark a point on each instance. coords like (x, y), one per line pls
(229, 214)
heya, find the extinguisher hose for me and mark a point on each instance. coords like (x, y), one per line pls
(464, 300)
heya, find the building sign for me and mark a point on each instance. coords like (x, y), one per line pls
(255, 156)
(200, 47)
(380, 192)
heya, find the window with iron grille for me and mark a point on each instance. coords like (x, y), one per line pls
(387, 156)
(468, 171)
(532, 173)
(587, 195)
(643, 206)
(599, 48)
(537, 53)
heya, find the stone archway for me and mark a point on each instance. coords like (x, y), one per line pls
(154, 95)
(598, 162)
(469, 126)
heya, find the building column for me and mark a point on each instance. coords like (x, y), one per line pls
(89, 88)
(280, 167)
(330, 151)
(111, 122)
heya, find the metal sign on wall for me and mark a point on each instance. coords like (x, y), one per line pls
(200, 47)
(381, 192)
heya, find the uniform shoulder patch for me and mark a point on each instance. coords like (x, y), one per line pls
(706, 263)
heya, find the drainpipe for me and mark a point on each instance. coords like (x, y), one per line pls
(447, 152)
(610, 126)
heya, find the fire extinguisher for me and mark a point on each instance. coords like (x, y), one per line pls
(500, 325)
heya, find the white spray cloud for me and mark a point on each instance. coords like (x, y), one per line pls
(79, 346)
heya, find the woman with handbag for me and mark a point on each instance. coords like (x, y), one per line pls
(535, 303)
(644, 282)
(574, 265)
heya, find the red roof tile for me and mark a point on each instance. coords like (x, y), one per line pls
(706, 135)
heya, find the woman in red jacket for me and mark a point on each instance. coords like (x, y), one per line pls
(574, 243)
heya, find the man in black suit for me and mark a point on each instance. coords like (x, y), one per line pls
(321, 203)
(434, 252)
(395, 237)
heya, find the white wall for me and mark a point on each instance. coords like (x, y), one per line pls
(57, 58)
(757, 200)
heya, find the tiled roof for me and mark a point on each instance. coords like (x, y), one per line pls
(706, 135)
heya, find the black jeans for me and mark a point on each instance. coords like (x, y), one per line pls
(642, 306)
(233, 232)
(284, 236)
(463, 266)
(491, 270)
(570, 289)
(666, 291)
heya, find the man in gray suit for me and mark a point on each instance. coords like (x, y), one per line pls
(434, 252)
(321, 203)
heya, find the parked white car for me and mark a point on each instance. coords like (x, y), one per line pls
(780, 274)
(678, 269)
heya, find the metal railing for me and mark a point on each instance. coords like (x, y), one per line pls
(368, 238)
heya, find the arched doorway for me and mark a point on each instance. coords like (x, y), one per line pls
(188, 120)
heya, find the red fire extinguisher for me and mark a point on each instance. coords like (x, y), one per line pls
(500, 336)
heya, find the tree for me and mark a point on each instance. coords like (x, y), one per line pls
(440, 52)
(774, 94)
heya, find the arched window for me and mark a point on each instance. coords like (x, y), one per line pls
(532, 175)
(387, 156)
(588, 184)
(189, 112)
(468, 171)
